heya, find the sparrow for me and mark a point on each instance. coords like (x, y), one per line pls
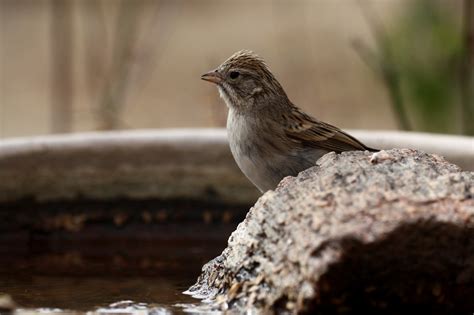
(270, 138)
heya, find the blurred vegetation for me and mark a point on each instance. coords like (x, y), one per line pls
(114, 57)
(420, 59)
(113, 100)
(62, 54)
(114, 79)
(121, 64)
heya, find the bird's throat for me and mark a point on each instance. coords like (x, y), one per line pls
(223, 94)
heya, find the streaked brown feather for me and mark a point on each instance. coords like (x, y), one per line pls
(310, 132)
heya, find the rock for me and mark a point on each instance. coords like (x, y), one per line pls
(391, 231)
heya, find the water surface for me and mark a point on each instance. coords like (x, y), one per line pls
(146, 280)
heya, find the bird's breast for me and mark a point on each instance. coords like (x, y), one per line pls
(254, 151)
(243, 138)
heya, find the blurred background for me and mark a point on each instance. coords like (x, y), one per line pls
(84, 65)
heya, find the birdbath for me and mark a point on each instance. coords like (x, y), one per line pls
(125, 220)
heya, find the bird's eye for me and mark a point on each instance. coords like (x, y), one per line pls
(234, 75)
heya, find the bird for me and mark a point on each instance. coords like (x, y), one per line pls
(271, 138)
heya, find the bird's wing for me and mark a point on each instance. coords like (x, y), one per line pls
(310, 132)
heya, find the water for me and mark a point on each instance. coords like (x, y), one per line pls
(90, 292)
(125, 257)
(149, 278)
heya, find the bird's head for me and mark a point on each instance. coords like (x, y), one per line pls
(245, 82)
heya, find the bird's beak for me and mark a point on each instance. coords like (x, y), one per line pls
(212, 76)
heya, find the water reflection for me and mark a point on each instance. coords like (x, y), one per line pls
(85, 293)
(42, 284)
(107, 263)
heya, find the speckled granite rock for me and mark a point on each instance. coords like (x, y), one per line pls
(357, 233)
